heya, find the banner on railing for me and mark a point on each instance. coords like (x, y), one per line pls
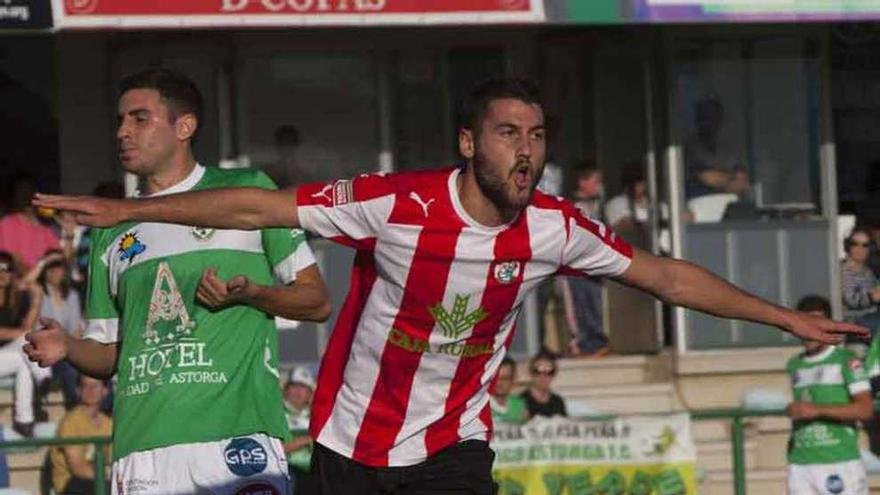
(645, 455)
(239, 13)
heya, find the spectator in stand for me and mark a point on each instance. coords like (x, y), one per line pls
(861, 292)
(630, 210)
(21, 232)
(298, 404)
(287, 170)
(585, 302)
(19, 311)
(711, 165)
(831, 395)
(507, 408)
(540, 398)
(73, 471)
(82, 243)
(62, 304)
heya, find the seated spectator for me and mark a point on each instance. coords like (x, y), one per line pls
(831, 395)
(540, 399)
(82, 242)
(62, 304)
(18, 315)
(73, 470)
(860, 290)
(711, 165)
(507, 408)
(21, 232)
(583, 295)
(629, 211)
(297, 403)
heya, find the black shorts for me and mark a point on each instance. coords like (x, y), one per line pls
(463, 469)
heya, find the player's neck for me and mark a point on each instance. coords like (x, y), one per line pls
(178, 170)
(476, 204)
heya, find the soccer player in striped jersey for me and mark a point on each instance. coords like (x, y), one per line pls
(445, 258)
(182, 314)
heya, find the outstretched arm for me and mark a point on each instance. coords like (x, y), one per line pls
(686, 284)
(247, 208)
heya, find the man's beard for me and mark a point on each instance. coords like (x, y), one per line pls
(495, 187)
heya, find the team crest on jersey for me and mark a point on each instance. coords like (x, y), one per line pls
(458, 321)
(507, 271)
(855, 365)
(258, 489)
(343, 192)
(202, 233)
(130, 246)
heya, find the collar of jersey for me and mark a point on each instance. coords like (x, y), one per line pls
(815, 358)
(185, 185)
(462, 213)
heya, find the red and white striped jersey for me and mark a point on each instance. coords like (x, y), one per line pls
(431, 308)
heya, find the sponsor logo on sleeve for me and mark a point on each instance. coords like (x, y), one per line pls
(343, 192)
(245, 457)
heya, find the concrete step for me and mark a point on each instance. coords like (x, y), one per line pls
(758, 482)
(625, 399)
(28, 480)
(607, 371)
(717, 457)
(710, 430)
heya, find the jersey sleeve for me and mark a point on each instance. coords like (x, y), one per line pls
(102, 316)
(592, 249)
(872, 359)
(286, 249)
(854, 375)
(351, 212)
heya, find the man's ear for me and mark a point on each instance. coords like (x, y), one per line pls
(466, 142)
(185, 126)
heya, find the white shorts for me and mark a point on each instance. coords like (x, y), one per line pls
(249, 465)
(841, 478)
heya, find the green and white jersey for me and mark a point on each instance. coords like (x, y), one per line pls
(830, 377)
(187, 373)
(872, 359)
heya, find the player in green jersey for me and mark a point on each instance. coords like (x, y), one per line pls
(184, 316)
(831, 394)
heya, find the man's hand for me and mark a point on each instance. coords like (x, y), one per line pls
(47, 345)
(798, 410)
(809, 327)
(87, 210)
(215, 293)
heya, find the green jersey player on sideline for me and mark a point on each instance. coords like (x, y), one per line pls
(831, 394)
(184, 316)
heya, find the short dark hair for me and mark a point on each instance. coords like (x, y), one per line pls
(543, 355)
(848, 241)
(508, 362)
(473, 108)
(815, 302)
(586, 168)
(178, 91)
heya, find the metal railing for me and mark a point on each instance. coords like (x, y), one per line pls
(737, 442)
(737, 437)
(99, 461)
